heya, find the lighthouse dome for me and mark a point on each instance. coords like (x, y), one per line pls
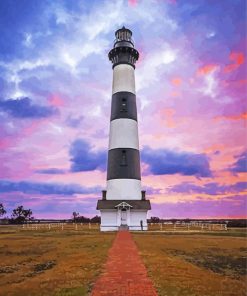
(123, 38)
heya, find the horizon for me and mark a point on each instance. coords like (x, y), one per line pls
(55, 100)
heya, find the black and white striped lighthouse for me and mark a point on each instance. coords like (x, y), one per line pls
(123, 203)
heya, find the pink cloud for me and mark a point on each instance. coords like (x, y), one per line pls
(237, 59)
(56, 101)
(207, 69)
(132, 3)
(177, 81)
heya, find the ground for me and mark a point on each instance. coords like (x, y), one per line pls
(67, 262)
(51, 262)
(195, 264)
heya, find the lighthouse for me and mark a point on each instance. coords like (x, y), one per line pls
(123, 203)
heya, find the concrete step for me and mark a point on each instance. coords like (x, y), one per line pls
(123, 227)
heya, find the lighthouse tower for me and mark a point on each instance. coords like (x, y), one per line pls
(123, 203)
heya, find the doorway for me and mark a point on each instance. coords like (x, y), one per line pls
(123, 217)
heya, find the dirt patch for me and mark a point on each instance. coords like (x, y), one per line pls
(224, 264)
(8, 269)
(44, 266)
(40, 268)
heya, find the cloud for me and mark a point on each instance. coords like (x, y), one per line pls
(206, 69)
(167, 162)
(45, 188)
(228, 207)
(84, 159)
(155, 63)
(240, 166)
(209, 188)
(209, 87)
(237, 59)
(132, 3)
(51, 171)
(74, 122)
(241, 116)
(33, 84)
(150, 190)
(24, 108)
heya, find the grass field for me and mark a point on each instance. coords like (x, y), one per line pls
(207, 264)
(50, 262)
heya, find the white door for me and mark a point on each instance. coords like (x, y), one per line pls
(123, 217)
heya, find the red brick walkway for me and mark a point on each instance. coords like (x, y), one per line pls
(124, 272)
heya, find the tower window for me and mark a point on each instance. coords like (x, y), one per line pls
(123, 107)
(124, 158)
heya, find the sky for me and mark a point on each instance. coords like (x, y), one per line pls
(55, 98)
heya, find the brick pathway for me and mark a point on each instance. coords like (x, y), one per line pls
(124, 273)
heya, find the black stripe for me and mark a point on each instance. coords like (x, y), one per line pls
(123, 105)
(123, 163)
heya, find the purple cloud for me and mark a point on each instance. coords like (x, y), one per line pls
(240, 166)
(232, 207)
(209, 188)
(51, 171)
(74, 122)
(34, 85)
(167, 162)
(84, 159)
(45, 188)
(24, 108)
(151, 190)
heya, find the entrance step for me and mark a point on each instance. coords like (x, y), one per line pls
(123, 227)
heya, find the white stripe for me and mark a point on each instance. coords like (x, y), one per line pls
(123, 134)
(118, 189)
(123, 78)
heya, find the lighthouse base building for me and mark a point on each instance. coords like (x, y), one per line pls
(123, 203)
(116, 214)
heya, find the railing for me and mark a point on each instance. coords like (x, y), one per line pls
(127, 40)
(192, 226)
(174, 227)
(60, 226)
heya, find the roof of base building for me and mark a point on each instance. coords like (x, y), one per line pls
(134, 204)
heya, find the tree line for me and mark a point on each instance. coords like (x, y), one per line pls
(81, 219)
(19, 215)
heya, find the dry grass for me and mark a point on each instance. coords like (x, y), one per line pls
(50, 262)
(195, 264)
(66, 262)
